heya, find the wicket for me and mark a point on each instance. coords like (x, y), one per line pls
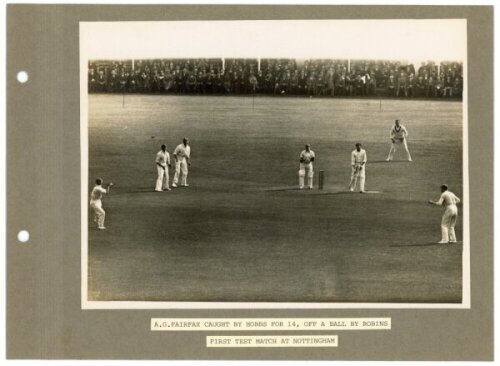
(321, 178)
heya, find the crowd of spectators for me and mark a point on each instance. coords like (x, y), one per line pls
(278, 76)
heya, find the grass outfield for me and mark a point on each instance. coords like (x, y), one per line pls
(242, 232)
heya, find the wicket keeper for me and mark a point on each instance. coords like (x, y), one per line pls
(398, 136)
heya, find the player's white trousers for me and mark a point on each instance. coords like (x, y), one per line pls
(162, 180)
(181, 169)
(394, 147)
(306, 168)
(354, 177)
(99, 213)
(448, 223)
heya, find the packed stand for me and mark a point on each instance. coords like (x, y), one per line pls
(313, 77)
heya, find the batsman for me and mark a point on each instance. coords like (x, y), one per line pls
(358, 167)
(306, 167)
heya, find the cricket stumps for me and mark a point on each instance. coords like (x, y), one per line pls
(321, 179)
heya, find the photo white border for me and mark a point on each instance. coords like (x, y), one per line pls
(87, 304)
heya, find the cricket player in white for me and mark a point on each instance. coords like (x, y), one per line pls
(358, 167)
(96, 203)
(450, 215)
(162, 164)
(398, 134)
(306, 167)
(182, 157)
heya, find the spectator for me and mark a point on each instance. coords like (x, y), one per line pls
(448, 86)
(302, 82)
(311, 84)
(411, 85)
(402, 83)
(93, 86)
(431, 88)
(112, 83)
(253, 83)
(371, 84)
(330, 86)
(457, 87)
(392, 86)
(421, 86)
(340, 84)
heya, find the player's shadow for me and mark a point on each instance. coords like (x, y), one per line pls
(417, 245)
(137, 190)
(387, 162)
(310, 192)
(283, 189)
(320, 193)
(333, 192)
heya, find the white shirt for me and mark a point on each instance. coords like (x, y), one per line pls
(448, 198)
(182, 151)
(306, 156)
(97, 193)
(358, 157)
(398, 133)
(163, 158)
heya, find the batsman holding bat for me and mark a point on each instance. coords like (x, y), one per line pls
(96, 203)
(306, 167)
(399, 134)
(358, 167)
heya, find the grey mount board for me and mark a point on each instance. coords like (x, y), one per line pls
(44, 315)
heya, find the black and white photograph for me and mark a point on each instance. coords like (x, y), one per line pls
(274, 164)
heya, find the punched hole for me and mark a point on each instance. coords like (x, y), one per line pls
(23, 236)
(22, 77)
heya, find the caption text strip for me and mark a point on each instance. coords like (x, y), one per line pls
(272, 341)
(254, 324)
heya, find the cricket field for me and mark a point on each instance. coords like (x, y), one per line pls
(242, 231)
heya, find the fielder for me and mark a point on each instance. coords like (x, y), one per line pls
(306, 166)
(182, 155)
(162, 161)
(450, 215)
(358, 167)
(399, 134)
(96, 203)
